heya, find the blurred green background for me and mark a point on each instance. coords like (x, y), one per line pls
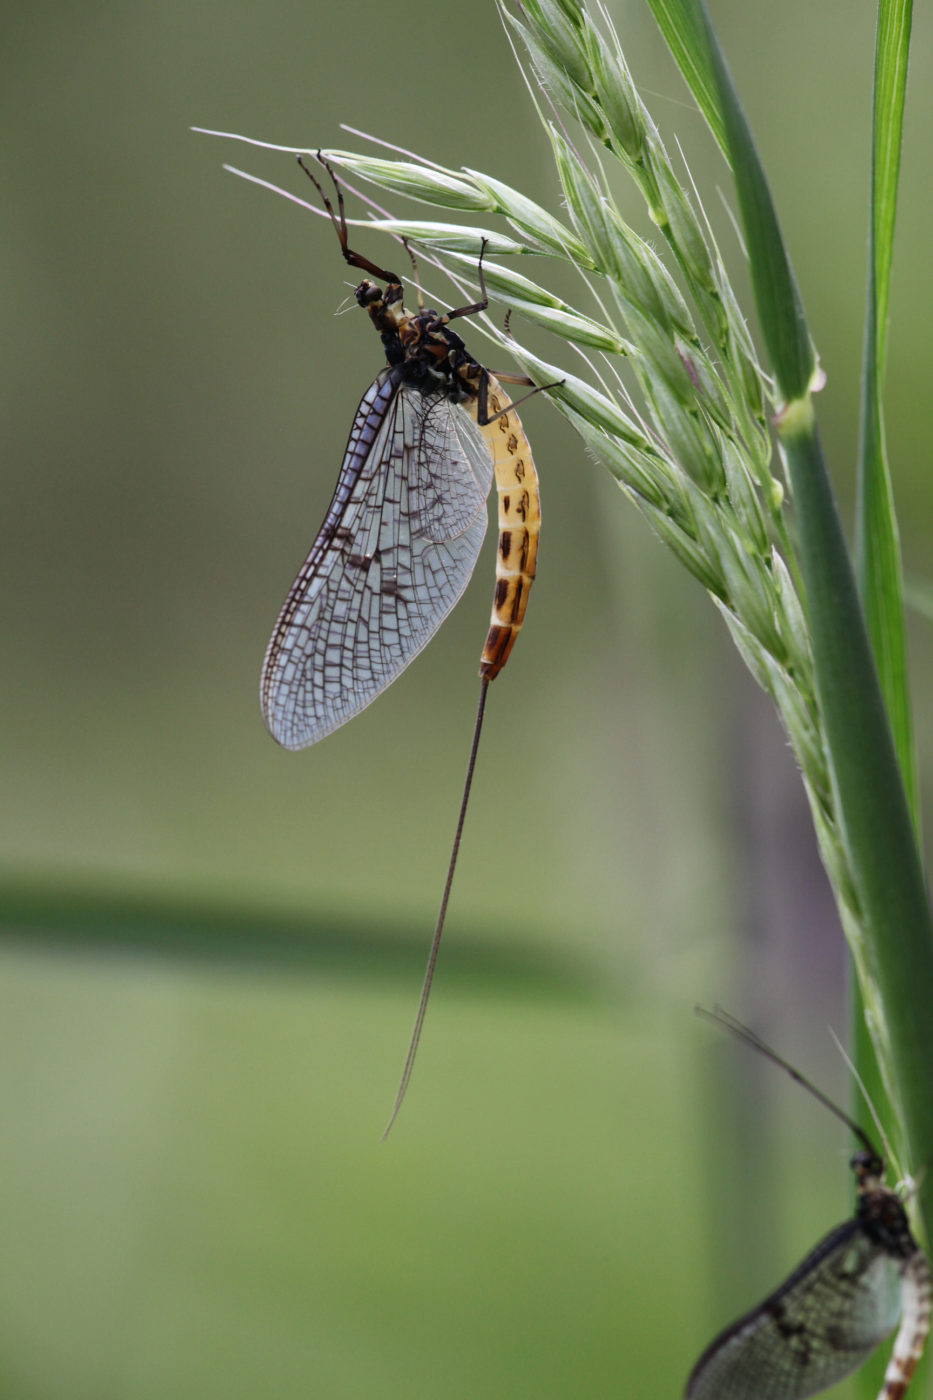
(212, 949)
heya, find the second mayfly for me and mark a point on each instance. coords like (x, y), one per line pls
(403, 532)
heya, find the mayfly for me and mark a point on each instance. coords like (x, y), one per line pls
(837, 1306)
(402, 534)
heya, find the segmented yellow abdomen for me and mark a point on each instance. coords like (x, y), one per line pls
(519, 523)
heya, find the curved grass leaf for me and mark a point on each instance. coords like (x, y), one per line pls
(878, 554)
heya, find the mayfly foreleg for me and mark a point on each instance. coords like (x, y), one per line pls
(730, 1023)
(339, 221)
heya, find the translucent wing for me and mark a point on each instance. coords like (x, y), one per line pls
(395, 552)
(827, 1318)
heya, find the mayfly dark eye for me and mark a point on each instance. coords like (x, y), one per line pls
(838, 1305)
(402, 534)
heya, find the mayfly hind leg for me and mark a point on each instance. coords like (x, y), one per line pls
(483, 415)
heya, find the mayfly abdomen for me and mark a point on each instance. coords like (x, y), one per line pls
(519, 512)
(913, 1330)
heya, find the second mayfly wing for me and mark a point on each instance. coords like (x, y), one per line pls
(823, 1322)
(394, 554)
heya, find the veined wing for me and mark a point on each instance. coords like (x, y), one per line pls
(828, 1317)
(394, 554)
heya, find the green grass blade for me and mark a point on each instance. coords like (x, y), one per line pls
(682, 27)
(877, 543)
(894, 939)
(878, 555)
